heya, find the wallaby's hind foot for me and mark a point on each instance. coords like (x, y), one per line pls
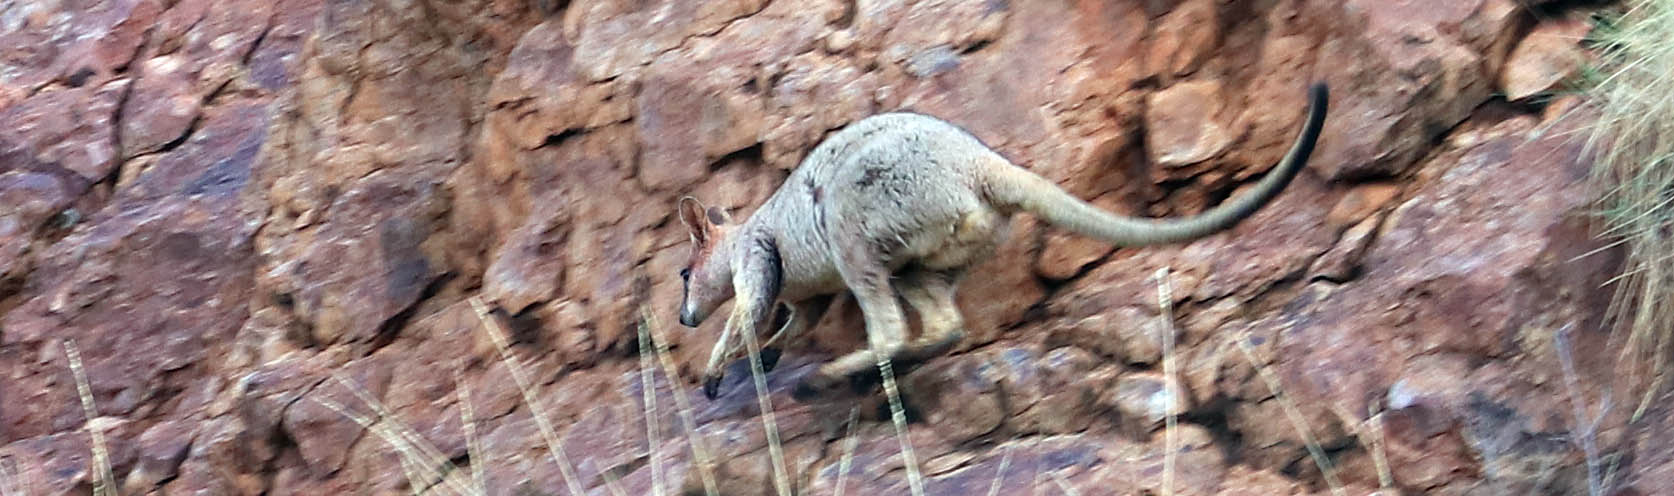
(820, 384)
(930, 293)
(816, 385)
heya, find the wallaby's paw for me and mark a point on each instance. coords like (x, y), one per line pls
(864, 381)
(712, 386)
(769, 358)
(815, 385)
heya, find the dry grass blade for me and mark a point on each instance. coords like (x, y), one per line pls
(416, 466)
(1586, 427)
(1165, 306)
(9, 485)
(1000, 473)
(1632, 144)
(898, 416)
(700, 453)
(467, 422)
(12, 479)
(1297, 421)
(648, 385)
(775, 449)
(388, 426)
(106, 482)
(849, 442)
(1386, 476)
(1064, 485)
(549, 434)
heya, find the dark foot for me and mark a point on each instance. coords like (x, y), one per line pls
(712, 387)
(769, 358)
(813, 386)
(868, 380)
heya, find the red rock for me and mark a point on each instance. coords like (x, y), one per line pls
(200, 52)
(150, 287)
(1342, 262)
(28, 200)
(1146, 399)
(686, 124)
(1548, 56)
(69, 128)
(161, 449)
(619, 37)
(960, 399)
(1184, 123)
(1063, 254)
(61, 464)
(1133, 335)
(77, 44)
(1381, 126)
(1184, 37)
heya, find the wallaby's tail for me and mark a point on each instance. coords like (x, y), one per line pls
(1018, 188)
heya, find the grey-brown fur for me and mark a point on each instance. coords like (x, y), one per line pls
(902, 205)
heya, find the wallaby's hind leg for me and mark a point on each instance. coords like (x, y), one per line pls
(864, 270)
(931, 294)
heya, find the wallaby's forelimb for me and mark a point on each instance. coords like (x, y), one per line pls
(803, 315)
(757, 283)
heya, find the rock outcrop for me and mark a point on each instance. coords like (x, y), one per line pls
(264, 222)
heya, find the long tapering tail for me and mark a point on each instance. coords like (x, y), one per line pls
(1020, 189)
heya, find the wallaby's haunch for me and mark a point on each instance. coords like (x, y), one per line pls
(901, 204)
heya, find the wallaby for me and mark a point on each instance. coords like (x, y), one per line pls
(902, 204)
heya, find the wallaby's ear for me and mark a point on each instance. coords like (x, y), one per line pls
(718, 216)
(692, 215)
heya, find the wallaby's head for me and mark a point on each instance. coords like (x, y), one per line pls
(707, 278)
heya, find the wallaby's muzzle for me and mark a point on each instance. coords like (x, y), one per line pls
(689, 317)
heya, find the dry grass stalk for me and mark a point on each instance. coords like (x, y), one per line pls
(700, 453)
(106, 481)
(1063, 484)
(849, 442)
(1632, 144)
(1586, 430)
(898, 416)
(387, 424)
(1000, 473)
(550, 435)
(775, 449)
(1380, 458)
(1297, 421)
(1165, 306)
(648, 386)
(14, 480)
(473, 443)
(420, 463)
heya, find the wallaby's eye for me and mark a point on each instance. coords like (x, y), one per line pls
(685, 274)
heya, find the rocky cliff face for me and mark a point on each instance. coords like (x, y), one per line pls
(247, 214)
